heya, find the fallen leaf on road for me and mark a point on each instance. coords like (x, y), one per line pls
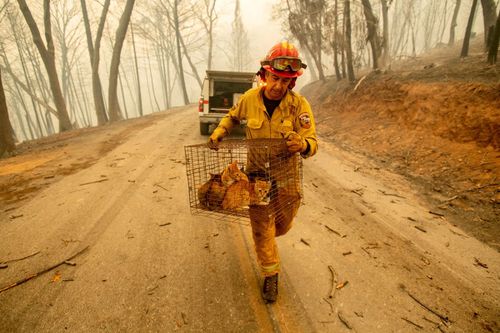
(56, 277)
(342, 285)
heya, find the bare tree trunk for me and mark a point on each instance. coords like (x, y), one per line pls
(401, 30)
(314, 76)
(212, 16)
(210, 46)
(413, 30)
(159, 59)
(28, 81)
(29, 91)
(122, 91)
(336, 42)
(495, 40)
(47, 55)
(347, 19)
(152, 81)
(46, 93)
(94, 53)
(489, 19)
(121, 32)
(190, 62)
(84, 95)
(343, 63)
(386, 53)
(430, 21)
(74, 93)
(50, 124)
(468, 30)
(343, 50)
(27, 117)
(20, 122)
(179, 54)
(17, 113)
(7, 143)
(319, 38)
(443, 21)
(170, 80)
(139, 94)
(65, 70)
(372, 29)
(454, 23)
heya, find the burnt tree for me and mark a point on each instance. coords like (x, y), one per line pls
(468, 30)
(47, 53)
(385, 32)
(495, 40)
(94, 50)
(372, 31)
(121, 32)
(348, 44)
(489, 19)
(454, 23)
(336, 43)
(7, 143)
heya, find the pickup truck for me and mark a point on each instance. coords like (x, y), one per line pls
(220, 91)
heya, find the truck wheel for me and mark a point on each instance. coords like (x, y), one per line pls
(204, 128)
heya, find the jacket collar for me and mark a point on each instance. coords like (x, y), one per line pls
(288, 102)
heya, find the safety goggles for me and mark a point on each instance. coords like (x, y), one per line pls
(283, 63)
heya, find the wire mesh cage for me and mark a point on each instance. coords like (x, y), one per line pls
(244, 177)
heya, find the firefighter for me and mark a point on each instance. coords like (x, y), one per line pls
(273, 110)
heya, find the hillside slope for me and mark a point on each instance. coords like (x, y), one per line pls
(434, 119)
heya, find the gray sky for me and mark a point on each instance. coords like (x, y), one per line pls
(262, 31)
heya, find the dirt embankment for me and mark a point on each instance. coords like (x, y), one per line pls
(439, 126)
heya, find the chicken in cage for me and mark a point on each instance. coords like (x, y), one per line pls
(243, 178)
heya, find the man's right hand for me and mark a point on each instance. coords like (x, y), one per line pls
(215, 138)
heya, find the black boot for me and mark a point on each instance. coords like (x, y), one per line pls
(270, 288)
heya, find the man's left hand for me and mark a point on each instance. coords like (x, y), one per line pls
(295, 143)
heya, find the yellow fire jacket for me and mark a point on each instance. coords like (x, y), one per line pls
(292, 114)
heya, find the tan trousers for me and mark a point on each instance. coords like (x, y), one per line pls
(269, 222)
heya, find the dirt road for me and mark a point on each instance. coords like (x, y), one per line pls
(150, 266)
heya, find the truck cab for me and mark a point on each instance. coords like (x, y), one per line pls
(220, 91)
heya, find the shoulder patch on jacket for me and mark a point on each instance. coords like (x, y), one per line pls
(305, 120)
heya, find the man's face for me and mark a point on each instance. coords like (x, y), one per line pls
(277, 86)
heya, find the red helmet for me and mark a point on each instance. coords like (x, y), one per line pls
(283, 60)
